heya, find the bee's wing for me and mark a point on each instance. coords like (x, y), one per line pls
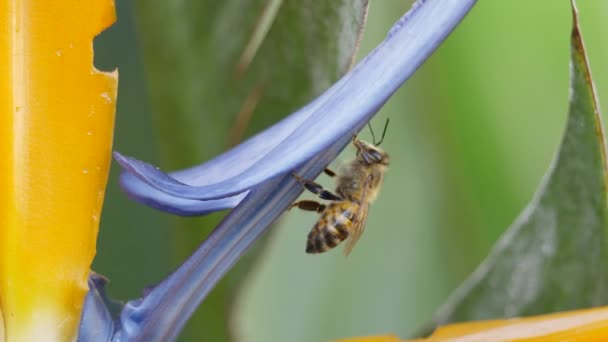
(357, 230)
(360, 219)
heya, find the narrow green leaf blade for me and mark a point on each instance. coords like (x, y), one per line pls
(554, 256)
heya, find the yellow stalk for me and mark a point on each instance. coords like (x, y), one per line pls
(56, 126)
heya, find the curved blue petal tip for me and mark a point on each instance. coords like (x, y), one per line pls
(152, 197)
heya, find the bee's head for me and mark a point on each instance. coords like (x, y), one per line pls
(370, 153)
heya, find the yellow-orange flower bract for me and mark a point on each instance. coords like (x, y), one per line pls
(56, 126)
(589, 325)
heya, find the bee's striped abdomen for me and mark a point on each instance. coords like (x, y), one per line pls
(332, 228)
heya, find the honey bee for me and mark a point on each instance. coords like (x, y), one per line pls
(357, 187)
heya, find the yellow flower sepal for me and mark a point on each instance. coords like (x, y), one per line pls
(589, 325)
(56, 126)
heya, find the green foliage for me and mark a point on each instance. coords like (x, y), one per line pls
(220, 70)
(554, 257)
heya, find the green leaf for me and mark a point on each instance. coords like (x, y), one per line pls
(554, 256)
(215, 67)
(219, 71)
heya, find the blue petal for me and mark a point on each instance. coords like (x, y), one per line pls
(96, 323)
(145, 194)
(163, 312)
(338, 112)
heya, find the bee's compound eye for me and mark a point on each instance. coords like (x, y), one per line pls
(376, 156)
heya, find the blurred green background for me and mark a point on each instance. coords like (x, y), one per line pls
(471, 135)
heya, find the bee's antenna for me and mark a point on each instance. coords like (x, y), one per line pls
(383, 133)
(372, 131)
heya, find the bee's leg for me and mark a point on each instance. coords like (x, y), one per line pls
(329, 172)
(317, 189)
(307, 205)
